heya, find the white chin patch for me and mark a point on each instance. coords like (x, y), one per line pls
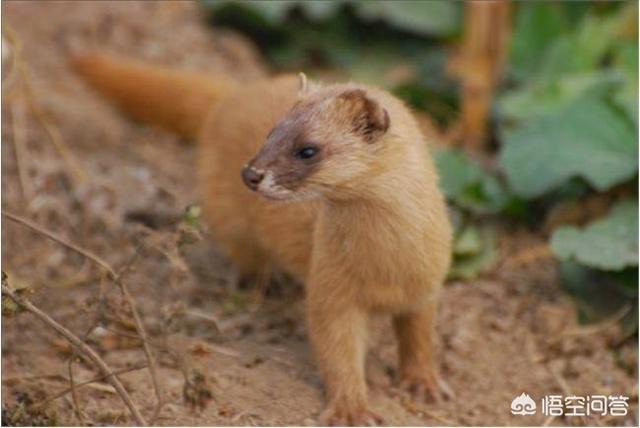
(271, 190)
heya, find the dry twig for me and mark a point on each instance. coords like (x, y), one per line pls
(599, 327)
(88, 254)
(72, 387)
(88, 382)
(146, 347)
(117, 279)
(210, 346)
(22, 68)
(564, 385)
(142, 333)
(74, 396)
(82, 347)
(18, 126)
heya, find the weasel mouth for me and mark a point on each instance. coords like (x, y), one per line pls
(269, 188)
(289, 195)
(277, 196)
(277, 193)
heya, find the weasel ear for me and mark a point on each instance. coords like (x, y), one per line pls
(303, 89)
(369, 118)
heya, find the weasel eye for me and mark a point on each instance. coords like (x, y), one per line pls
(306, 153)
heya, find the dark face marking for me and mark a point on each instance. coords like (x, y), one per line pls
(289, 154)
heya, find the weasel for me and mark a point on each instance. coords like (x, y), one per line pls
(332, 183)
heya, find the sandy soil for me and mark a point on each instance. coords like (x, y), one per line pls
(120, 189)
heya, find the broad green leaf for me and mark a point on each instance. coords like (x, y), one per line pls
(320, 9)
(537, 26)
(425, 18)
(626, 59)
(429, 18)
(484, 197)
(570, 65)
(588, 139)
(273, 11)
(465, 183)
(585, 48)
(457, 171)
(608, 244)
(543, 98)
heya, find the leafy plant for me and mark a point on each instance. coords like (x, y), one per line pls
(569, 121)
(473, 192)
(588, 139)
(575, 116)
(601, 295)
(468, 185)
(428, 19)
(370, 39)
(608, 244)
(474, 251)
(599, 265)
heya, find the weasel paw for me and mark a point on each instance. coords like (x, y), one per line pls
(343, 415)
(427, 388)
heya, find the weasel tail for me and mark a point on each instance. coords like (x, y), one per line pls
(177, 101)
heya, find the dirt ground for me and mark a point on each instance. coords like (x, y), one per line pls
(76, 167)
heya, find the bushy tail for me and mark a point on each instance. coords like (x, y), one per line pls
(174, 100)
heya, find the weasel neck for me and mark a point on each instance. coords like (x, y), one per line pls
(395, 199)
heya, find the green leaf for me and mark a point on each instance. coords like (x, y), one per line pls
(423, 18)
(457, 171)
(544, 98)
(428, 18)
(273, 11)
(585, 48)
(9, 307)
(468, 242)
(192, 216)
(609, 244)
(471, 265)
(537, 26)
(626, 97)
(562, 64)
(465, 183)
(588, 139)
(318, 10)
(484, 197)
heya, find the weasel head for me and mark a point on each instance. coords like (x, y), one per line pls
(324, 146)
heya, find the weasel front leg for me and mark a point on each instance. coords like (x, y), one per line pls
(418, 373)
(338, 336)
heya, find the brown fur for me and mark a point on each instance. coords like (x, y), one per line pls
(364, 224)
(142, 91)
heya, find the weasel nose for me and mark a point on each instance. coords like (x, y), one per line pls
(251, 177)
